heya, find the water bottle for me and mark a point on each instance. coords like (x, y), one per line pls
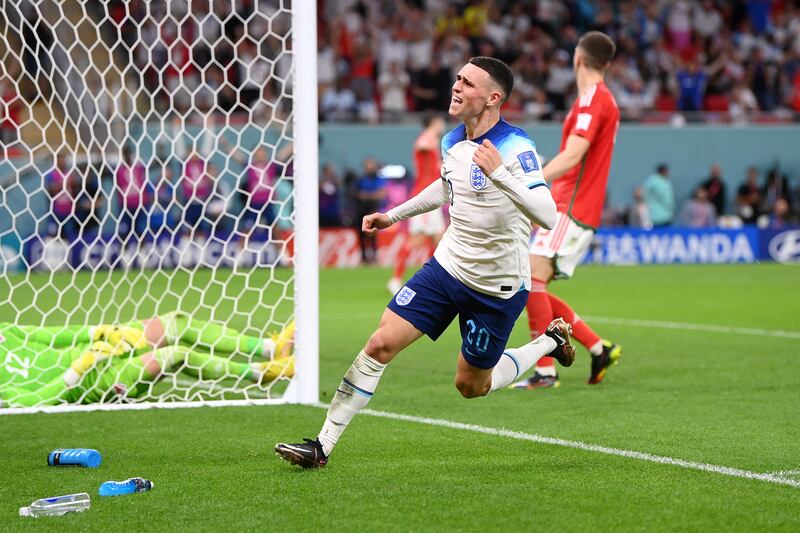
(57, 506)
(129, 486)
(75, 457)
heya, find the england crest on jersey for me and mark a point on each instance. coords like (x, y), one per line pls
(476, 177)
(405, 296)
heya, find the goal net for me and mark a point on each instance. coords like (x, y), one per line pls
(158, 203)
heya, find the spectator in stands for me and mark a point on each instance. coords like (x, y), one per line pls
(776, 186)
(743, 103)
(326, 64)
(283, 227)
(781, 215)
(161, 216)
(638, 214)
(339, 102)
(370, 193)
(88, 202)
(393, 83)
(748, 198)
(258, 184)
(431, 88)
(196, 187)
(130, 180)
(252, 71)
(692, 84)
(560, 79)
(698, 212)
(218, 206)
(329, 203)
(660, 197)
(10, 106)
(715, 189)
(60, 186)
(765, 80)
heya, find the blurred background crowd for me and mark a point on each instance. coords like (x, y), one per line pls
(202, 63)
(735, 60)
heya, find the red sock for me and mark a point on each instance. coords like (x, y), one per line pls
(540, 314)
(580, 330)
(401, 260)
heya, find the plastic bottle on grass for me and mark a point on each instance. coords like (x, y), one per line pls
(129, 486)
(75, 457)
(57, 506)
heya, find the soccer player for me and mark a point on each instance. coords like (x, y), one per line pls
(579, 174)
(430, 225)
(491, 176)
(55, 365)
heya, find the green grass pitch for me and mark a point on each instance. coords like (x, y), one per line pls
(729, 399)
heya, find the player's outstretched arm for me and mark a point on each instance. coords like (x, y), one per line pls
(431, 197)
(52, 393)
(570, 156)
(370, 224)
(533, 200)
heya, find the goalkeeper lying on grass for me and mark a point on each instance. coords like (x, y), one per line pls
(78, 364)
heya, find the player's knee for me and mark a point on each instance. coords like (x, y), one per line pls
(542, 268)
(379, 347)
(470, 389)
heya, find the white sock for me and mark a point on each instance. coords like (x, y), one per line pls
(596, 348)
(267, 347)
(353, 394)
(516, 361)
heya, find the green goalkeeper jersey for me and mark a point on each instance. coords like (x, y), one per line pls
(31, 355)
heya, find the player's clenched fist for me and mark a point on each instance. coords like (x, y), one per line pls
(372, 223)
(487, 157)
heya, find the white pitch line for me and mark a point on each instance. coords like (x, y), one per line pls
(712, 328)
(786, 473)
(532, 437)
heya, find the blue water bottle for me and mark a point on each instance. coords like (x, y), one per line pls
(75, 457)
(129, 486)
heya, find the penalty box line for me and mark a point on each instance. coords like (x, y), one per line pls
(711, 328)
(578, 445)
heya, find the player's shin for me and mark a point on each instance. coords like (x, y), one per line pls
(580, 330)
(353, 394)
(516, 361)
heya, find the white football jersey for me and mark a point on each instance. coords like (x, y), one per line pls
(486, 245)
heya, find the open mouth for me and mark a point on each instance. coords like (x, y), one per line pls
(456, 100)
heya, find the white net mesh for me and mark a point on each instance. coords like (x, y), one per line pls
(148, 172)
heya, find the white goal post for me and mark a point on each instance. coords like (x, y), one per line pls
(158, 160)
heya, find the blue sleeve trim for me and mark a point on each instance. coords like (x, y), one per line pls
(538, 184)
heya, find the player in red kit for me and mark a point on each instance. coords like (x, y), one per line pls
(427, 228)
(579, 175)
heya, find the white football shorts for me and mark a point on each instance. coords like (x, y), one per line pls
(430, 223)
(566, 244)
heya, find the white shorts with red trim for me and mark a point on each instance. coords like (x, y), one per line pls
(566, 244)
(430, 223)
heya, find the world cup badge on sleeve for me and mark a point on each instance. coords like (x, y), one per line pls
(405, 296)
(527, 160)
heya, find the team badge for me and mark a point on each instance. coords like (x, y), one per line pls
(405, 296)
(476, 177)
(527, 161)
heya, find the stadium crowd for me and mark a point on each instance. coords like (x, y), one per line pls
(172, 198)
(737, 59)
